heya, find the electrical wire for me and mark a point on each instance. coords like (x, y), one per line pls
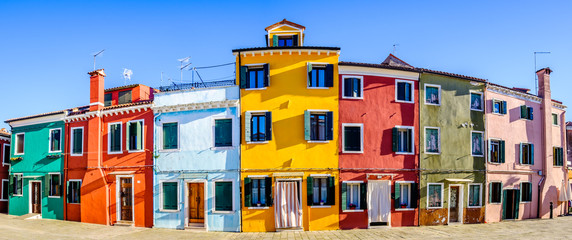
(220, 65)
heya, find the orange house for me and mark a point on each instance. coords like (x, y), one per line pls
(109, 164)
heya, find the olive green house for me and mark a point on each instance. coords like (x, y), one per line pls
(37, 163)
(451, 148)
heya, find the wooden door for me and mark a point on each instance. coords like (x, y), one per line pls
(196, 203)
(454, 204)
(126, 198)
(36, 197)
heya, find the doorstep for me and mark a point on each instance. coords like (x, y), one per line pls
(123, 224)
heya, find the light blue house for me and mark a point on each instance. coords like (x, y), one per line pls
(197, 161)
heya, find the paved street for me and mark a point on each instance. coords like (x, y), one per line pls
(12, 227)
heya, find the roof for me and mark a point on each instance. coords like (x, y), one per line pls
(177, 87)
(123, 87)
(373, 65)
(424, 70)
(284, 21)
(392, 60)
(35, 116)
(4, 133)
(285, 48)
(128, 104)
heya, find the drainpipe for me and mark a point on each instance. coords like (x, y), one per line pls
(155, 160)
(539, 196)
(240, 139)
(64, 192)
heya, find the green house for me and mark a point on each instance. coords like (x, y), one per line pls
(37, 163)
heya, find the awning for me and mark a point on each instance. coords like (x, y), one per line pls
(458, 180)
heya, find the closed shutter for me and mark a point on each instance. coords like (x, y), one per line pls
(309, 76)
(247, 127)
(243, 77)
(275, 40)
(170, 138)
(307, 127)
(503, 107)
(266, 39)
(77, 141)
(395, 139)
(268, 126)
(170, 196)
(11, 188)
(490, 192)
(248, 192)
(223, 132)
(363, 195)
(268, 182)
(414, 195)
(223, 196)
(501, 151)
(266, 74)
(397, 196)
(330, 126)
(294, 40)
(310, 191)
(516, 204)
(523, 113)
(504, 205)
(331, 200)
(329, 75)
(124, 97)
(344, 195)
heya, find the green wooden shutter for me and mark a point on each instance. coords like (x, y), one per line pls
(517, 203)
(223, 196)
(523, 114)
(295, 40)
(330, 126)
(275, 40)
(363, 195)
(395, 139)
(344, 194)
(520, 159)
(243, 77)
(414, 195)
(530, 192)
(307, 127)
(561, 156)
(331, 200)
(531, 152)
(268, 126)
(269, 200)
(329, 76)
(503, 107)
(68, 192)
(397, 196)
(309, 75)
(247, 127)
(248, 192)
(46, 185)
(170, 196)
(501, 151)
(139, 137)
(266, 74)
(490, 192)
(11, 187)
(77, 138)
(504, 204)
(310, 191)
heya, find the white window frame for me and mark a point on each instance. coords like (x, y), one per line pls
(494, 100)
(142, 135)
(120, 138)
(74, 180)
(489, 149)
(438, 140)
(308, 75)
(442, 195)
(360, 125)
(344, 86)
(401, 183)
(50, 140)
(161, 209)
(480, 195)
(4, 154)
(161, 137)
(349, 196)
(1, 193)
(482, 143)
(256, 65)
(521, 192)
(412, 90)
(482, 101)
(22, 184)
(425, 91)
(16, 144)
(557, 120)
(233, 143)
(232, 182)
(72, 139)
(50, 185)
(412, 140)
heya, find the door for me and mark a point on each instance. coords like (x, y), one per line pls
(36, 197)
(196, 203)
(126, 199)
(454, 204)
(287, 210)
(379, 202)
(510, 204)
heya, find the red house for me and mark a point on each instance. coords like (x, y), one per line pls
(5, 169)
(379, 153)
(109, 164)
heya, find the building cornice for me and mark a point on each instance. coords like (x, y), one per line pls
(195, 106)
(513, 93)
(108, 112)
(286, 51)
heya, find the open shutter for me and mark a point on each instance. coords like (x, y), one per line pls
(394, 139)
(503, 111)
(78, 190)
(363, 195)
(531, 152)
(414, 195)
(68, 192)
(243, 76)
(397, 196)
(490, 192)
(266, 74)
(248, 192)
(268, 126)
(517, 203)
(60, 185)
(11, 187)
(504, 192)
(501, 151)
(530, 114)
(46, 185)
(520, 159)
(561, 156)
(139, 139)
(329, 77)
(523, 114)
(309, 75)
(269, 200)
(344, 194)
(307, 125)
(294, 40)
(247, 127)
(275, 40)
(331, 191)
(330, 125)
(310, 191)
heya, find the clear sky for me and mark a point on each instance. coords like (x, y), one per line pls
(46, 47)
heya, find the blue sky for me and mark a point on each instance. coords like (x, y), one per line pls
(46, 48)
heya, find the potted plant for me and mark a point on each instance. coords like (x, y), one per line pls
(53, 156)
(403, 205)
(322, 203)
(352, 206)
(258, 204)
(16, 159)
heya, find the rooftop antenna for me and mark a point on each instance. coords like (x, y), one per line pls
(183, 65)
(94, 56)
(395, 48)
(127, 75)
(536, 76)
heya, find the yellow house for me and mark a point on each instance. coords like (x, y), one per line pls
(289, 132)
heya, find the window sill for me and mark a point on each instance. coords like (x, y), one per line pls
(76, 155)
(54, 196)
(14, 195)
(354, 152)
(353, 98)
(404, 209)
(495, 163)
(525, 202)
(405, 153)
(432, 104)
(318, 88)
(318, 141)
(252, 89)
(18, 154)
(435, 207)
(495, 203)
(557, 166)
(433, 153)
(477, 155)
(477, 110)
(258, 208)
(3, 200)
(53, 152)
(74, 203)
(474, 206)
(223, 212)
(403, 101)
(321, 206)
(114, 153)
(222, 148)
(135, 151)
(169, 150)
(264, 142)
(499, 114)
(356, 210)
(169, 211)
(5, 164)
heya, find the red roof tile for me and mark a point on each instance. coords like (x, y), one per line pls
(284, 21)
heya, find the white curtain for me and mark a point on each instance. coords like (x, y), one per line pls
(287, 211)
(379, 202)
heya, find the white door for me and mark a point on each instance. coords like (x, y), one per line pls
(287, 210)
(379, 201)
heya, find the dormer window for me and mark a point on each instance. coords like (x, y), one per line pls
(107, 100)
(285, 40)
(124, 97)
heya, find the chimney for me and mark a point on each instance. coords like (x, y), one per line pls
(96, 90)
(544, 83)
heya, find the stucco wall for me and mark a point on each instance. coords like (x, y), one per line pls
(4, 172)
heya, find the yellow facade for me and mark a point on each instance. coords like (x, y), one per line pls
(286, 30)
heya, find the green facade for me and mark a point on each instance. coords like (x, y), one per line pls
(454, 163)
(36, 164)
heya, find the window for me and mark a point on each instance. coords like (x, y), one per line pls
(555, 119)
(55, 185)
(558, 156)
(320, 75)
(474, 195)
(318, 125)
(404, 91)
(285, 40)
(170, 135)
(353, 87)
(321, 190)
(499, 107)
(124, 97)
(527, 153)
(353, 138)
(432, 94)
(5, 189)
(77, 141)
(258, 127)
(170, 196)
(496, 151)
(108, 98)
(434, 195)
(254, 76)
(495, 192)
(114, 138)
(74, 191)
(223, 132)
(405, 195)
(17, 181)
(432, 140)
(403, 139)
(526, 112)
(526, 191)
(258, 192)
(353, 196)
(135, 135)
(55, 140)
(19, 144)
(223, 196)
(477, 148)
(6, 154)
(476, 101)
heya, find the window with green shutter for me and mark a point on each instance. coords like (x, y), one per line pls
(56, 140)
(318, 126)
(170, 195)
(259, 125)
(77, 141)
(17, 184)
(320, 75)
(108, 98)
(55, 185)
(555, 119)
(170, 136)
(402, 139)
(495, 192)
(496, 151)
(115, 138)
(526, 191)
(499, 107)
(135, 135)
(223, 132)
(526, 112)
(527, 153)
(254, 77)
(558, 156)
(124, 97)
(223, 196)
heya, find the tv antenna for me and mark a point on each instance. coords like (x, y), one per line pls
(94, 56)
(536, 76)
(184, 64)
(395, 48)
(127, 75)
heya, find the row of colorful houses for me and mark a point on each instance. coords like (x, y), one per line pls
(299, 140)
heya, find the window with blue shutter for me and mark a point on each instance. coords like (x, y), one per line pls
(223, 132)
(223, 196)
(404, 91)
(170, 136)
(320, 75)
(115, 137)
(170, 195)
(499, 107)
(135, 135)
(526, 112)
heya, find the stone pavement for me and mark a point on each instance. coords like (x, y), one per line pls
(12, 227)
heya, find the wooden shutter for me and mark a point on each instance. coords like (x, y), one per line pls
(310, 191)
(78, 190)
(504, 192)
(331, 200)
(329, 76)
(248, 192)
(561, 156)
(139, 136)
(330, 125)
(223, 196)
(68, 192)
(46, 185)
(530, 192)
(530, 115)
(275, 40)
(269, 200)
(344, 194)
(501, 151)
(503, 104)
(247, 127)
(243, 77)
(309, 75)
(523, 114)
(307, 126)
(11, 187)
(520, 159)
(363, 195)
(490, 192)
(266, 74)
(77, 141)
(266, 40)
(170, 196)
(531, 152)
(516, 204)
(295, 40)
(414, 195)
(397, 196)
(395, 139)
(268, 126)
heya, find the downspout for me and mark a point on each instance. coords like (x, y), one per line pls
(539, 196)
(65, 191)
(485, 143)
(155, 163)
(240, 140)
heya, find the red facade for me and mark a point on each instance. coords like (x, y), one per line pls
(4, 169)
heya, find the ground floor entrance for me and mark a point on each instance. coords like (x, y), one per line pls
(126, 199)
(288, 204)
(511, 201)
(196, 200)
(379, 202)
(36, 196)
(455, 203)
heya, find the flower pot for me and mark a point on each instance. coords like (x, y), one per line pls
(321, 203)
(258, 204)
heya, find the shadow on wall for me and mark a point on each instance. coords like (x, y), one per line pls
(551, 195)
